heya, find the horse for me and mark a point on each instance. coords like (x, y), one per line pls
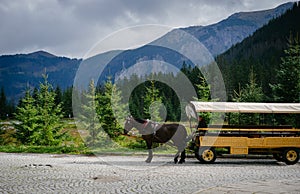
(153, 132)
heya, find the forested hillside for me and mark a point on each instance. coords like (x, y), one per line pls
(261, 52)
(25, 70)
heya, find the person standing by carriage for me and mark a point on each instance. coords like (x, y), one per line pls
(199, 131)
(201, 125)
(201, 122)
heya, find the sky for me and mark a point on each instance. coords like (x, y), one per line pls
(72, 27)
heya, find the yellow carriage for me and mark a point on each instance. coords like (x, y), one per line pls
(281, 141)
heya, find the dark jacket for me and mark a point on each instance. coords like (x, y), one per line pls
(202, 124)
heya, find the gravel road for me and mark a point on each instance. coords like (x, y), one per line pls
(45, 173)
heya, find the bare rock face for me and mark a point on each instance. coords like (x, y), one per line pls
(221, 36)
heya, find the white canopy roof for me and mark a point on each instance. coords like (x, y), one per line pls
(243, 107)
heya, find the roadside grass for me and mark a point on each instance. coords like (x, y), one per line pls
(123, 145)
(44, 149)
(83, 150)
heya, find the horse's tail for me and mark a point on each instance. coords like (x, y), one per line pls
(189, 137)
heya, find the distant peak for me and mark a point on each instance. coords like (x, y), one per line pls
(41, 53)
(280, 8)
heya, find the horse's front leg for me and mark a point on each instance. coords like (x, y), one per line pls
(150, 152)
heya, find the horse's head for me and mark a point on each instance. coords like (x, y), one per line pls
(128, 124)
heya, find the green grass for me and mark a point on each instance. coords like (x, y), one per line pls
(122, 145)
(44, 149)
(167, 150)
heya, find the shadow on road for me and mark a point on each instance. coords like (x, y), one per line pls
(139, 162)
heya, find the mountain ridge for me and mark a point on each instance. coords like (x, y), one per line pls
(17, 72)
(218, 37)
(21, 70)
(261, 52)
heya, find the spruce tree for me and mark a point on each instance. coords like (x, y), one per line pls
(3, 104)
(49, 117)
(58, 96)
(35, 93)
(203, 92)
(251, 93)
(118, 107)
(111, 110)
(88, 116)
(26, 115)
(67, 102)
(152, 103)
(287, 88)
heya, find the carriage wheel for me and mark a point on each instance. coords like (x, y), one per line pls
(206, 155)
(291, 156)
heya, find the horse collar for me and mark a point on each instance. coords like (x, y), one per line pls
(153, 127)
(146, 123)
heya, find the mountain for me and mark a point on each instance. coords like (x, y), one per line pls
(217, 38)
(221, 36)
(22, 70)
(260, 52)
(25, 70)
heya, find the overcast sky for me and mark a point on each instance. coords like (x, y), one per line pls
(72, 27)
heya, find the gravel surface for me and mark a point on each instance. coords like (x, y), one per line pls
(45, 173)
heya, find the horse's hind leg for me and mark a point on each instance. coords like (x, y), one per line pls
(176, 157)
(181, 148)
(180, 142)
(182, 157)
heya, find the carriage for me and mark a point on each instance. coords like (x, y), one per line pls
(283, 141)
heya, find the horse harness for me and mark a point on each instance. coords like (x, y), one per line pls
(154, 126)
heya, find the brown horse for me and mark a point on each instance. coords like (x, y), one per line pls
(159, 133)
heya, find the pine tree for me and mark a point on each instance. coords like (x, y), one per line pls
(118, 107)
(152, 103)
(203, 90)
(111, 110)
(58, 95)
(10, 108)
(287, 88)
(27, 124)
(49, 117)
(88, 116)
(3, 104)
(251, 93)
(35, 93)
(67, 102)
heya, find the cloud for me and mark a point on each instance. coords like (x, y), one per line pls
(72, 27)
